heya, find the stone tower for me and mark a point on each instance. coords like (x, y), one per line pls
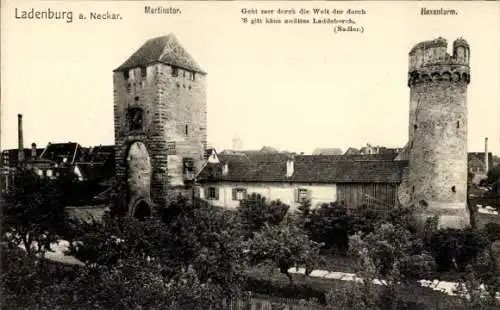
(437, 174)
(160, 116)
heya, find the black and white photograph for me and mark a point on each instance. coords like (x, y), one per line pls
(254, 155)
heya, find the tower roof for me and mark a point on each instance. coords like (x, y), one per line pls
(164, 49)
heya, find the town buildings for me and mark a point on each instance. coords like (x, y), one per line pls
(160, 121)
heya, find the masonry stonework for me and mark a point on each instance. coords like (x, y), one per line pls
(437, 174)
(160, 116)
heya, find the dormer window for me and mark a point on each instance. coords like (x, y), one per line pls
(135, 119)
(175, 71)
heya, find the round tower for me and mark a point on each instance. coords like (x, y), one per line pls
(437, 174)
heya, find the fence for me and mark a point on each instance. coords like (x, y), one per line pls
(265, 302)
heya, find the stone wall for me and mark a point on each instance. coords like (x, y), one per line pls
(438, 130)
(174, 122)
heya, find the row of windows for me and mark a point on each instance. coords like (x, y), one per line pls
(238, 194)
(175, 72)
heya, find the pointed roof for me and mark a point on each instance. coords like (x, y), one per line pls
(165, 49)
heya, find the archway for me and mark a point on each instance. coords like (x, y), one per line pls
(142, 210)
(139, 173)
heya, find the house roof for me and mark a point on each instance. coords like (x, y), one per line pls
(165, 49)
(98, 154)
(10, 157)
(307, 169)
(327, 151)
(57, 151)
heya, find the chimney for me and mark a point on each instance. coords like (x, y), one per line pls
(289, 167)
(20, 154)
(486, 157)
(33, 150)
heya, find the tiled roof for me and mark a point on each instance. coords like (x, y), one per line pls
(327, 151)
(57, 151)
(165, 49)
(307, 169)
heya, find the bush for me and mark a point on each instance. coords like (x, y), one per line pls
(285, 246)
(255, 211)
(493, 231)
(393, 251)
(454, 249)
(329, 224)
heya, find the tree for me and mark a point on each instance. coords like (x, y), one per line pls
(255, 211)
(34, 212)
(286, 246)
(187, 235)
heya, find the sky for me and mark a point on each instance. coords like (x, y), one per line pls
(293, 87)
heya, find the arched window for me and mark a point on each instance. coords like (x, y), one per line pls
(135, 119)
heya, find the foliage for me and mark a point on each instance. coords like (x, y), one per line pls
(34, 212)
(493, 175)
(493, 231)
(30, 283)
(395, 252)
(118, 195)
(329, 224)
(286, 246)
(210, 238)
(255, 211)
(454, 249)
(359, 294)
(472, 293)
(195, 235)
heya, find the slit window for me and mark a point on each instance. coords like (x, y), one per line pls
(186, 130)
(458, 124)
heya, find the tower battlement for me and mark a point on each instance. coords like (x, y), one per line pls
(434, 53)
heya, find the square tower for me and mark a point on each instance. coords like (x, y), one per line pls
(160, 117)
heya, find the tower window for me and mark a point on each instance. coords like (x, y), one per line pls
(125, 75)
(458, 124)
(175, 71)
(415, 127)
(144, 71)
(136, 98)
(135, 119)
(453, 189)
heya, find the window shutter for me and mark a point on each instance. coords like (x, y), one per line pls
(234, 194)
(205, 192)
(216, 193)
(296, 195)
